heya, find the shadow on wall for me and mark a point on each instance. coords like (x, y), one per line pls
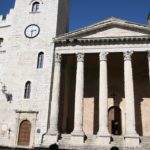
(141, 91)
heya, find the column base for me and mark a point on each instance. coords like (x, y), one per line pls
(103, 138)
(49, 139)
(77, 138)
(53, 132)
(132, 140)
(103, 134)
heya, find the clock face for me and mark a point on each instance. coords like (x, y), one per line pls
(32, 31)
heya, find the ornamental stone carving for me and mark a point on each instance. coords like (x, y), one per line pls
(103, 56)
(80, 57)
(57, 58)
(127, 55)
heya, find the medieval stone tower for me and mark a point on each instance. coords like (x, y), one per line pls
(26, 64)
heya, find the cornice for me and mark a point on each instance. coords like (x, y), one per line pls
(103, 40)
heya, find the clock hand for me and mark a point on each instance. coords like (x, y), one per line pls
(32, 32)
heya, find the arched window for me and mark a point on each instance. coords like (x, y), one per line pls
(24, 133)
(35, 7)
(40, 60)
(27, 90)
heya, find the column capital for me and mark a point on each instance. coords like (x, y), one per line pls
(103, 56)
(148, 55)
(80, 57)
(127, 55)
(57, 58)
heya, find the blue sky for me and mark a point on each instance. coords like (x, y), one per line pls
(86, 12)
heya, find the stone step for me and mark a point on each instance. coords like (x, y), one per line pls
(117, 141)
(145, 142)
(145, 139)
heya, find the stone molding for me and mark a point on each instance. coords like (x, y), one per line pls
(80, 57)
(57, 58)
(127, 55)
(25, 111)
(103, 40)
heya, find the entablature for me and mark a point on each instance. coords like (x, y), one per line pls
(103, 40)
(100, 48)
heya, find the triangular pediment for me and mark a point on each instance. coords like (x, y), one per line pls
(113, 31)
(112, 27)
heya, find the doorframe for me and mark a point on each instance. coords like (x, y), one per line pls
(121, 119)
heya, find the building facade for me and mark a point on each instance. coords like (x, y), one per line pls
(27, 40)
(87, 89)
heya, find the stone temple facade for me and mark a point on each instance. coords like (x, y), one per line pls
(87, 89)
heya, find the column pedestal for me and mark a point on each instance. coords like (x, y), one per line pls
(49, 139)
(103, 140)
(103, 136)
(77, 137)
(132, 141)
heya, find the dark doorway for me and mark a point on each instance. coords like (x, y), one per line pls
(114, 116)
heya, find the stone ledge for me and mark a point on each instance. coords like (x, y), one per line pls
(67, 147)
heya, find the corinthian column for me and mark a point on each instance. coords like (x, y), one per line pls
(129, 94)
(77, 134)
(79, 93)
(131, 137)
(149, 63)
(103, 95)
(103, 134)
(55, 97)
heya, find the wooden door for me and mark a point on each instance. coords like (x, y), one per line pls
(24, 133)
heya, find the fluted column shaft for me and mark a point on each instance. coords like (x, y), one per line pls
(129, 94)
(103, 95)
(55, 96)
(79, 94)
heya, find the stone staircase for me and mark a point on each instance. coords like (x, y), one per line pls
(90, 143)
(145, 142)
